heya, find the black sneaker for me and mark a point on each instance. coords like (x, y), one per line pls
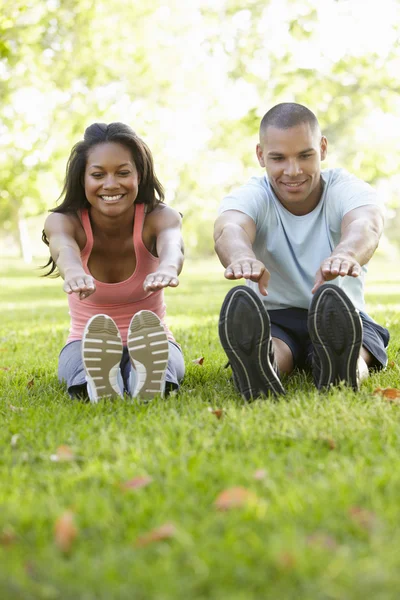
(245, 334)
(335, 329)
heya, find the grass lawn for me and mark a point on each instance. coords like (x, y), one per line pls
(320, 511)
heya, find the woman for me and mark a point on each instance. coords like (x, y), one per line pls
(116, 245)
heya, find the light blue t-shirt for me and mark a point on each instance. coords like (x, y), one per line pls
(293, 247)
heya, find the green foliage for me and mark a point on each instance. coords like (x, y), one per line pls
(193, 79)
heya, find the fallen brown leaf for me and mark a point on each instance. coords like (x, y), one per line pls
(4, 368)
(329, 442)
(198, 361)
(260, 474)
(7, 536)
(391, 364)
(364, 518)
(218, 412)
(15, 408)
(63, 454)
(388, 393)
(137, 482)
(287, 560)
(164, 532)
(65, 531)
(30, 383)
(235, 497)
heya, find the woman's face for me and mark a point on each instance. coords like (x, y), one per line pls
(111, 180)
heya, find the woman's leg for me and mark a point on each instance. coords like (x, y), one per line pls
(71, 370)
(174, 373)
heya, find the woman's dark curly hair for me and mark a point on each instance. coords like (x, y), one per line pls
(73, 195)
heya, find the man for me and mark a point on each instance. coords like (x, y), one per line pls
(288, 233)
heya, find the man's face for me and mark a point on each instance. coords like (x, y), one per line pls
(292, 158)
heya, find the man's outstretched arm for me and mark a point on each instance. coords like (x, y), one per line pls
(361, 231)
(234, 235)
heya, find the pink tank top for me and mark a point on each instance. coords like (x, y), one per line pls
(118, 300)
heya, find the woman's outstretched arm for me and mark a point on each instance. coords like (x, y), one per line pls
(167, 225)
(64, 249)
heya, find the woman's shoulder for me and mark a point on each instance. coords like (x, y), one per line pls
(69, 224)
(163, 215)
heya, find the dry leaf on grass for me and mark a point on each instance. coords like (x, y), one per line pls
(136, 483)
(260, 474)
(15, 408)
(287, 560)
(30, 383)
(391, 364)
(389, 394)
(363, 517)
(7, 536)
(164, 532)
(328, 441)
(4, 368)
(235, 497)
(65, 531)
(218, 412)
(198, 361)
(63, 454)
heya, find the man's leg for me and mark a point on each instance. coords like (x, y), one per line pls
(336, 332)
(283, 355)
(245, 334)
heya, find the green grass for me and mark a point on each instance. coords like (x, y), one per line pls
(325, 521)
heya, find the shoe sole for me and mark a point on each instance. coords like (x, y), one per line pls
(101, 355)
(149, 351)
(335, 329)
(253, 373)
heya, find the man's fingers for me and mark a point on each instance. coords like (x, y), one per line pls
(319, 280)
(237, 271)
(355, 271)
(246, 270)
(263, 282)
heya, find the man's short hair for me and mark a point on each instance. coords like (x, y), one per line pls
(287, 115)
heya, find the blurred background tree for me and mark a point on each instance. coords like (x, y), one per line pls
(193, 79)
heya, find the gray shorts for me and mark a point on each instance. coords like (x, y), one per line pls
(72, 372)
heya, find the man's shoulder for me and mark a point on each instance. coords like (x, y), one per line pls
(255, 187)
(341, 177)
(255, 183)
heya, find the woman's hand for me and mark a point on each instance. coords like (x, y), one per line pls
(79, 283)
(162, 278)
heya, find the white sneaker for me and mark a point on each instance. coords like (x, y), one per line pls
(101, 355)
(148, 350)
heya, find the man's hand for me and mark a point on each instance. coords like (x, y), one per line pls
(249, 268)
(79, 283)
(162, 278)
(336, 266)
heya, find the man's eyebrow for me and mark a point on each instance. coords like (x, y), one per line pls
(272, 153)
(307, 150)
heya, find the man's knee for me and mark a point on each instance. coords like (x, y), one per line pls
(283, 355)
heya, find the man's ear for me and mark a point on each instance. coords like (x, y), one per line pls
(324, 147)
(260, 155)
